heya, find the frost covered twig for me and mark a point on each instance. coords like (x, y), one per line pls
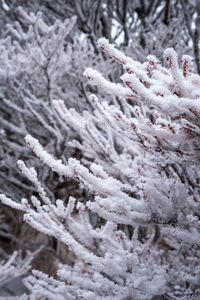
(16, 266)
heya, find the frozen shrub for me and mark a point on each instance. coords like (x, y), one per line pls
(145, 153)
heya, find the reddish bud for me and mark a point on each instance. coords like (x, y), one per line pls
(129, 71)
(133, 126)
(159, 94)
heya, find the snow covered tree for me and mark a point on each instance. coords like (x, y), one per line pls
(147, 26)
(33, 64)
(37, 65)
(140, 161)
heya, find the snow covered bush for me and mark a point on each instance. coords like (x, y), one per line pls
(33, 64)
(38, 63)
(140, 161)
